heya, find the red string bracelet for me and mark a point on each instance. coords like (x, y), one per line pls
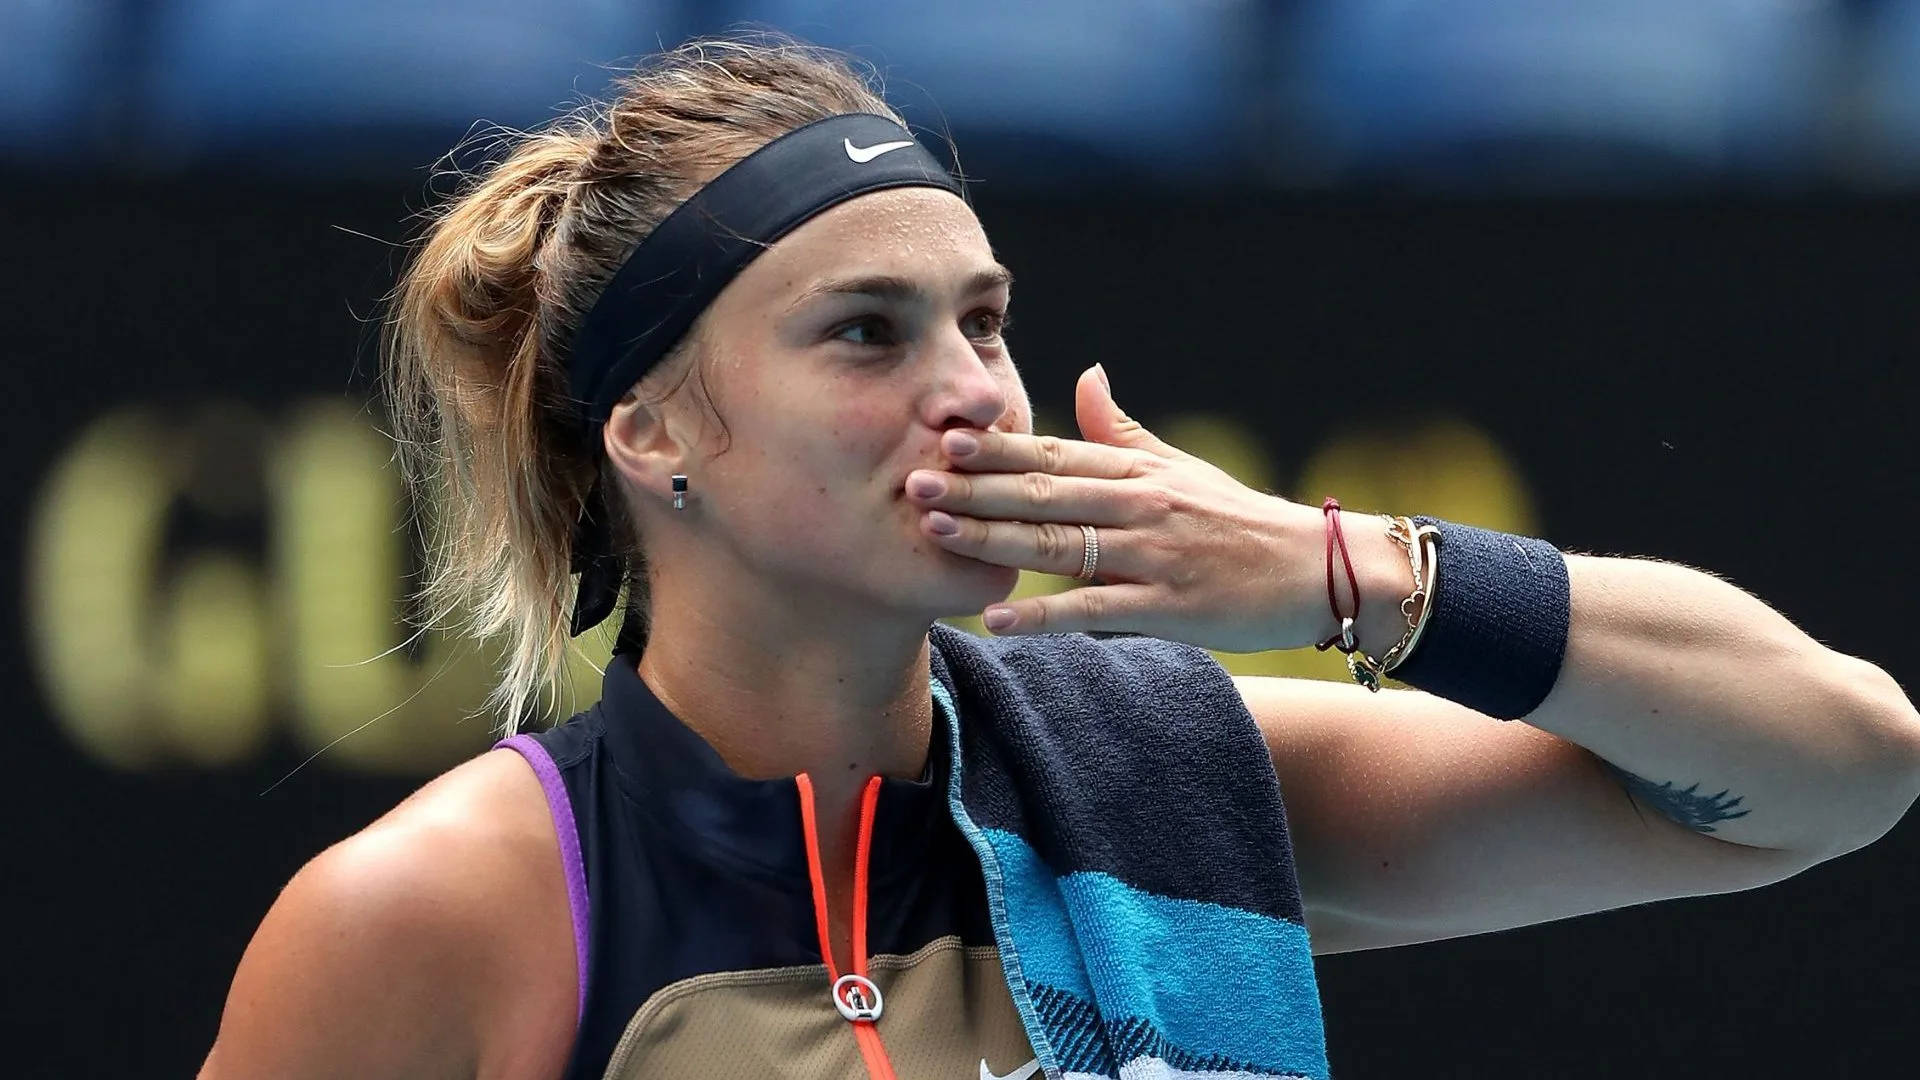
(1344, 639)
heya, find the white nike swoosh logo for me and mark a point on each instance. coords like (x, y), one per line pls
(864, 154)
(1020, 1073)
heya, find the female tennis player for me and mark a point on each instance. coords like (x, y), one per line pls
(733, 348)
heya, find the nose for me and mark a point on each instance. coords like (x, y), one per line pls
(973, 393)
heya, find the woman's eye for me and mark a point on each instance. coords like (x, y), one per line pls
(868, 331)
(985, 325)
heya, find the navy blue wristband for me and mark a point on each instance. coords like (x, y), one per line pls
(1498, 629)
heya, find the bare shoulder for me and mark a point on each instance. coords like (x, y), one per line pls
(494, 799)
(434, 942)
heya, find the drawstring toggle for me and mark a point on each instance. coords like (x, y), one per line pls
(856, 997)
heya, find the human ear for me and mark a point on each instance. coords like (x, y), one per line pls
(640, 439)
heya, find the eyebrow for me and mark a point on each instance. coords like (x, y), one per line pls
(891, 287)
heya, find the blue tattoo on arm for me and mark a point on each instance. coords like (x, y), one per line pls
(1695, 811)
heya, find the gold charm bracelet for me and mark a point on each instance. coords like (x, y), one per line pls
(1426, 581)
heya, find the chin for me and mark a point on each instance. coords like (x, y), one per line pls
(967, 581)
(996, 582)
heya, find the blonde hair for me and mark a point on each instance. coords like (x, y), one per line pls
(479, 325)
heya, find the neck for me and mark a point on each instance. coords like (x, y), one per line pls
(839, 701)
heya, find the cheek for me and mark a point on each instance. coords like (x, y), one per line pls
(809, 521)
(823, 476)
(855, 437)
(1019, 407)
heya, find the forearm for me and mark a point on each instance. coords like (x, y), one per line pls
(1720, 712)
(1711, 706)
(1707, 704)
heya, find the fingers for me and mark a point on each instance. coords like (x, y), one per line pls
(1009, 451)
(1031, 496)
(1104, 608)
(1048, 547)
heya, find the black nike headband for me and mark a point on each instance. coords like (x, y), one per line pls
(688, 258)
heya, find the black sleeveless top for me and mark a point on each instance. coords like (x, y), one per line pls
(696, 920)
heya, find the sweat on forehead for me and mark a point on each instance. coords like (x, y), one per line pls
(914, 235)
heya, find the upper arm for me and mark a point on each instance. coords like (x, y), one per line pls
(351, 974)
(1414, 819)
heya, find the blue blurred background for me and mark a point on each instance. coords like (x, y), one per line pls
(1633, 276)
(1607, 95)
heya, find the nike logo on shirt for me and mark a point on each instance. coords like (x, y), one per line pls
(1020, 1073)
(864, 154)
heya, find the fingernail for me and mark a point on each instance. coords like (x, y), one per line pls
(942, 523)
(960, 444)
(1101, 370)
(925, 487)
(998, 618)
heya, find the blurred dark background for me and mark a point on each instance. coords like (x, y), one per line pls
(1633, 276)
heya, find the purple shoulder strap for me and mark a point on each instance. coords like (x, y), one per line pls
(561, 807)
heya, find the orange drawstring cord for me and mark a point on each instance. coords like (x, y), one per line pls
(819, 879)
(879, 1067)
(869, 802)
